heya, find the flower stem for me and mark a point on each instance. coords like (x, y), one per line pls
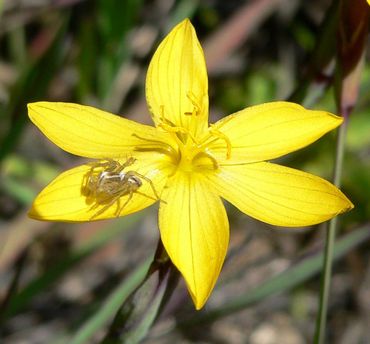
(330, 239)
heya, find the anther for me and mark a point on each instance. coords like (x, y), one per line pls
(194, 101)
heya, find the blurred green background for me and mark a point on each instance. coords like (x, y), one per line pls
(62, 283)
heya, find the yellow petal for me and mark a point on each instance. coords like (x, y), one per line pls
(92, 133)
(270, 130)
(280, 195)
(195, 232)
(66, 199)
(176, 83)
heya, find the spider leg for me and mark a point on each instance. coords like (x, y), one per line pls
(89, 182)
(127, 163)
(150, 197)
(137, 174)
(102, 163)
(124, 204)
(102, 210)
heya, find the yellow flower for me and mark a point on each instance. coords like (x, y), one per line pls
(190, 164)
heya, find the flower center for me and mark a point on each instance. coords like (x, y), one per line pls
(193, 154)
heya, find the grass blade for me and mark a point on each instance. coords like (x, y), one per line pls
(110, 306)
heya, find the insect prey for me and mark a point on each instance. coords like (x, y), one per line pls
(107, 181)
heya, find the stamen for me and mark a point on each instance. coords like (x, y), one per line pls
(173, 129)
(194, 101)
(214, 135)
(157, 145)
(161, 112)
(208, 156)
(220, 135)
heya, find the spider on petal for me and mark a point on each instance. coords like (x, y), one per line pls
(107, 182)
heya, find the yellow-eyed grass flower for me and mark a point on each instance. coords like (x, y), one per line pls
(191, 165)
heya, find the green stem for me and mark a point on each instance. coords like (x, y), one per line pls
(330, 239)
(139, 311)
